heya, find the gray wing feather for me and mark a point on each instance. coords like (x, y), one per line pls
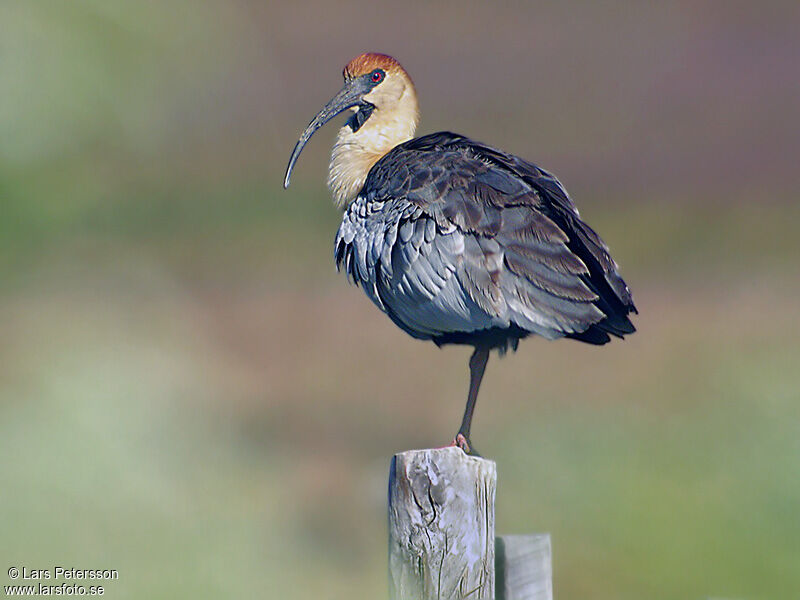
(415, 277)
(431, 281)
(447, 242)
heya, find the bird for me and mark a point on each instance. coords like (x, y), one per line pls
(456, 241)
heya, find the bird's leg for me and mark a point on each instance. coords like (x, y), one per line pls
(477, 365)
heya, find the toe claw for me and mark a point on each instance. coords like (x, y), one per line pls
(462, 442)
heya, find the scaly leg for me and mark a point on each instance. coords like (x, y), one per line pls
(477, 366)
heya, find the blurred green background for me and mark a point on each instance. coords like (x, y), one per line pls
(190, 394)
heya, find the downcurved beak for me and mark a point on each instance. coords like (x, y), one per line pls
(350, 95)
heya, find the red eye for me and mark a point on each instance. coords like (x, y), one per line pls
(377, 76)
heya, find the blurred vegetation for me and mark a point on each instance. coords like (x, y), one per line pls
(190, 394)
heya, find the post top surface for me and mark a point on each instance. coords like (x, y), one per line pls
(448, 452)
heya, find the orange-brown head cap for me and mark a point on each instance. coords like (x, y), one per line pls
(368, 62)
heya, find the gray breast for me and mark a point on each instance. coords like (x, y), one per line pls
(430, 278)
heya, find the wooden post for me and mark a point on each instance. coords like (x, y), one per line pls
(441, 526)
(524, 569)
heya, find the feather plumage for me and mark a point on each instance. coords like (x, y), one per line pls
(459, 242)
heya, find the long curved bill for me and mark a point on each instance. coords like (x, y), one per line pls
(349, 96)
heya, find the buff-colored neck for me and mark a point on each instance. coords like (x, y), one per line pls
(392, 122)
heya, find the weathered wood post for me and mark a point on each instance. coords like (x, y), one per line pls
(442, 544)
(524, 569)
(441, 526)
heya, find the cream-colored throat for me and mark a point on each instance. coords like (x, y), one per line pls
(355, 153)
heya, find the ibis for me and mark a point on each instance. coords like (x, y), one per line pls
(455, 241)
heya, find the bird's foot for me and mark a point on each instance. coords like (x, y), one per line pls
(463, 442)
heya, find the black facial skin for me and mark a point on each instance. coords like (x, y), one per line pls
(359, 118)
(365, 108)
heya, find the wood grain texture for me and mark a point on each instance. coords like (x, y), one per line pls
(524, 567)
(441, 526)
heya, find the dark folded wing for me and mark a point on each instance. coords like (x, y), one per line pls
(451, 237)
